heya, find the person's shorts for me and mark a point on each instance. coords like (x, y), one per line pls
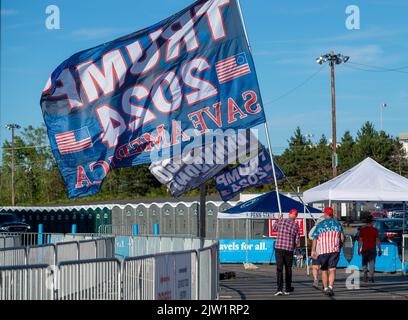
(368, 255)
(328, 260)
(315, 262)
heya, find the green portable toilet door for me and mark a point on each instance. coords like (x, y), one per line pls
(60, 221)
(52, 221)
(98, 212)
(75, 220)
(107, 216)
(67, 221)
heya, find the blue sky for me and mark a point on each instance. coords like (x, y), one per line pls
(286, 38)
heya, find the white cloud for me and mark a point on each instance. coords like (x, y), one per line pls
(8, 12)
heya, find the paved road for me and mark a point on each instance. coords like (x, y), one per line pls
(260, 284)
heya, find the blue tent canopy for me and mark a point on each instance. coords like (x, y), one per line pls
(266, 207)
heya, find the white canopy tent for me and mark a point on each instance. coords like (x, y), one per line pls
(367, 181)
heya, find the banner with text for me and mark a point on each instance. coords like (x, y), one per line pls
(274, 234)
(146, 96)
(200, 164)
(252, 172)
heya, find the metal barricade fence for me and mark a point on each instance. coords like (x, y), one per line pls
(348, 247)
(208, 285)
(25, 283)
(53, 253)
(138, 278)
(45, 254)
(146, 245)
(123, 230)
(97, 279)
(28, 238)
(102, 249)
(87, 249)
(9, 241)
(67, 251)
(13, 256)
(161, 276)
(188, 275)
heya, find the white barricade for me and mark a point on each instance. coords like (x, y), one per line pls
(87, 250)
(45, 254)
(25, 283)
(67, 251)
(13, 256)
(97, 279)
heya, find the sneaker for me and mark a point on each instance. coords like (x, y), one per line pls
(290, 290)
(331, 292)
(326, 291)
(286, 293)
(278, 293)
(316, 284)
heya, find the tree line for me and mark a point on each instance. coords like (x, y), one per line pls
(306, 164)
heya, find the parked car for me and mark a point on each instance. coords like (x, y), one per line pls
(9, 222)
(379, 214)
(398, 214)
(390, 230)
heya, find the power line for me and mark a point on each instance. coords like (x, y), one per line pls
(376, 68)
(295, 88)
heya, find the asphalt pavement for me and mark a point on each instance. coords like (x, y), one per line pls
(260, 284)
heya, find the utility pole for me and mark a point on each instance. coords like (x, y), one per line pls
(333, 59)
(12, 127)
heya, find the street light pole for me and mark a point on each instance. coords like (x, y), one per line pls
(333, 59)
(384, 105)
(12, 127)
(334, 129)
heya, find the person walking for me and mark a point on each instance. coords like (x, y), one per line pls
(329, 237)
(367, 243)
(315, 262)
(288, 238)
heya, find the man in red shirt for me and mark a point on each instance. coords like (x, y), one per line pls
(367, 242)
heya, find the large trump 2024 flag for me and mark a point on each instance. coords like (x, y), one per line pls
(130, 101)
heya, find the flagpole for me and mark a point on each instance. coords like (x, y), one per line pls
(266, 124)
(273, 166)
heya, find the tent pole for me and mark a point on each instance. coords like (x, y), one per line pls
(246, 241)
(266, 124)
(273, 167)
(306, 244)
(300, 199)
(404, 207)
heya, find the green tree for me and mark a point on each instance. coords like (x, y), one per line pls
(346, 152)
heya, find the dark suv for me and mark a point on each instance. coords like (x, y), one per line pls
(9, 222)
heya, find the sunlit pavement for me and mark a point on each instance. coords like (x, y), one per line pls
(260, 284)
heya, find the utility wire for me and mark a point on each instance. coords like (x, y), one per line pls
(375, 68)
(295, 88)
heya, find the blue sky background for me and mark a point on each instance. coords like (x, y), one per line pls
(286, 37)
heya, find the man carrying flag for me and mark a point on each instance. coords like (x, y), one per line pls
(329, 236)
(287, 239)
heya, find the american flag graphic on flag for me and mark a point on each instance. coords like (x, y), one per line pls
(231, 68)
(73, 141)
